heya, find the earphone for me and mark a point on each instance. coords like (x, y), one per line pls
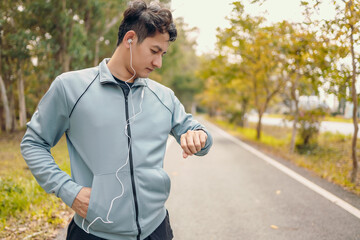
(130, 142)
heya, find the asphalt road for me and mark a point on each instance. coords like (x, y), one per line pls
(234, 194)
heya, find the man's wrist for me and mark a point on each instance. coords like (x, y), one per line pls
(69, 191)
(201, 129)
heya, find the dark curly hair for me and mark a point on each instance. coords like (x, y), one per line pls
(146, 21)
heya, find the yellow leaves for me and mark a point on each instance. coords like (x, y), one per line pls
(278, 192)
(304, 3)
(274, 227)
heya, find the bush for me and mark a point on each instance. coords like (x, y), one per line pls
(309, 125)
(12, 200)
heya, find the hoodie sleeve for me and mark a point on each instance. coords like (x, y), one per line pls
(47, 125)
(182, 122)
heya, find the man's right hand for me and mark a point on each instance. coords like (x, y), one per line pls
(81, 202)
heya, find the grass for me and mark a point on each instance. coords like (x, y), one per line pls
(26, 210)
(338, 119)
(330, 158)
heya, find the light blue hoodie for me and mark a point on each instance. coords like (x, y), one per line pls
(129, 185)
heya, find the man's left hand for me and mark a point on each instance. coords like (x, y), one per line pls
(192, 142)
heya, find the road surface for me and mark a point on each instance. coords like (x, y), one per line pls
(234, 194)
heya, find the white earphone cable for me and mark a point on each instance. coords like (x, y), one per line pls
(128, 121)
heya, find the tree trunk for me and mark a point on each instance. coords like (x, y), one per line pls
(296, 114)
(96, 57)
(294, 131)
(244, 105)
(261, 110)
(212, 111)
(12, 112)
(4, 98)
(193, 108)
(22, 104)
(66, 62)
(258, 126)
(2, 119)
(355, 101)
(7, 114)
(62, 55)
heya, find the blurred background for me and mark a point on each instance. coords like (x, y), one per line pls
(279, 74)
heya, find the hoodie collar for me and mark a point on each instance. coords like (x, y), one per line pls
(107, 77)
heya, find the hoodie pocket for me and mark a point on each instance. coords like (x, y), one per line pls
(154, 188)
(111, 206)
(166, 180)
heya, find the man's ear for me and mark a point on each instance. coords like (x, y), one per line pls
(129, 38)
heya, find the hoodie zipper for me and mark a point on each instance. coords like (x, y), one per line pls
(132, 168)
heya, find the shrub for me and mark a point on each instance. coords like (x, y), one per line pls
(309, 125)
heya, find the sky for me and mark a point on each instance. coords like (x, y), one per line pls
(207, 15)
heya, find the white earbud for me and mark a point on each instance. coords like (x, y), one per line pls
(130, 40)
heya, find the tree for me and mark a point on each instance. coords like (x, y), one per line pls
(307, 60)
(213, 73)
(344, 29)
(309, 121)
(41, 39)
(256, 48)
(14, 55)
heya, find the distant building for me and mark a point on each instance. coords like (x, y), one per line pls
(349, 110)
(311, 102)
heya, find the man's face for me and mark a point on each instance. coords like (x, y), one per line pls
(148, 55)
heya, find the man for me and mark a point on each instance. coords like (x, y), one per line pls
(116, 122)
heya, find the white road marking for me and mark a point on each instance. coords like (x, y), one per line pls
(331, 197)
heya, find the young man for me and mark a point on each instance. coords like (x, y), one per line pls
(116, 122)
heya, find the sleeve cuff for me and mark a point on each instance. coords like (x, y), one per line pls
(208, 143)
(69, 191)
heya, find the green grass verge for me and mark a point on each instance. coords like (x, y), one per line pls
(338, 119)
(25, 208)
(330, 158)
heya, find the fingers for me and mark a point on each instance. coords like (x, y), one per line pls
(184, 144)
(192, 142)
(203, 138)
